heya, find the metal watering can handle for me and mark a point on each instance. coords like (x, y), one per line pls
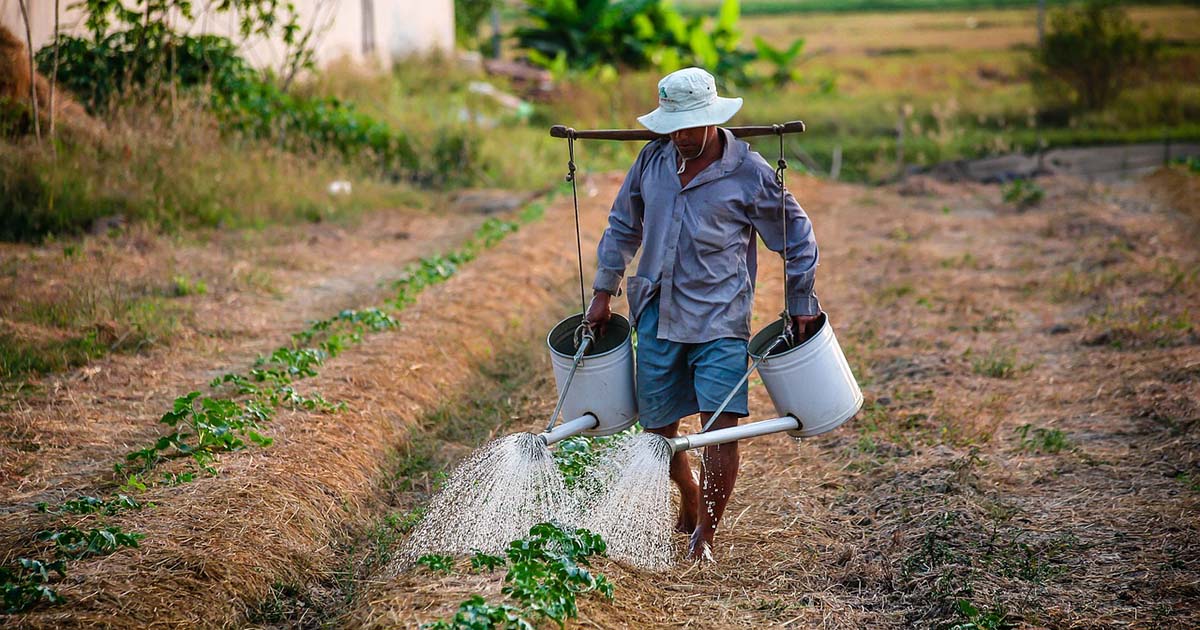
(783, 338)
(584, 338)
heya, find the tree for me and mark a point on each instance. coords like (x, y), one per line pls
(1095, 49)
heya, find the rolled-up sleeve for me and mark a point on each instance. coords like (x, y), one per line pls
(802, 253)
(624, 233)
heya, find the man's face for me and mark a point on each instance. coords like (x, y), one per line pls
(689, 141)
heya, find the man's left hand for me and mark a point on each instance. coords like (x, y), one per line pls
(804, 326)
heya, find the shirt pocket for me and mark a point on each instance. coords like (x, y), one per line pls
(639, 290)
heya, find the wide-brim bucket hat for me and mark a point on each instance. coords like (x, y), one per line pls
(688, 98)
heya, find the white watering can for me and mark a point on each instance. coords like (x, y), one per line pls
(810, 384)
(594, 377)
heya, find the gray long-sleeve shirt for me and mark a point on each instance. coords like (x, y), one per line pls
(698, 249)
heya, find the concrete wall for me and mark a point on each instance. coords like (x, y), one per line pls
(367, 31)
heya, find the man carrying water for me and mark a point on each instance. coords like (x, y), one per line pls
(693, 204)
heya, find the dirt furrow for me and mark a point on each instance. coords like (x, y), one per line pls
(62, 439)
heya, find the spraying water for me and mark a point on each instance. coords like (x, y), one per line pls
(493, 498)
(628, 501)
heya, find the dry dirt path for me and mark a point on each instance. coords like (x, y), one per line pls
(1028, 444)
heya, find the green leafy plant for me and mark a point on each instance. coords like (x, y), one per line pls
(468, 14)
(205, 426)
(586, 34)
(1042, 440)
(25, 585)
(437, 562)
(1023, 193)
(1189, 163)
(486, 562)
(109, 67)
(75, 543)
(477, 614)
(93, 505)
(546, 571)
(981, 620)
(782, 59)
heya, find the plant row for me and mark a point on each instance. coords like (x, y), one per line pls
(233, 417)
(545, 572)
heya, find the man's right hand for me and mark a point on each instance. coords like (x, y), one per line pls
(599, 313)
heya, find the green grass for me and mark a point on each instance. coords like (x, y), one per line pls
(1042, 440)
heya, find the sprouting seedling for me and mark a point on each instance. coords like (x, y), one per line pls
(482, 562)
(437, 562)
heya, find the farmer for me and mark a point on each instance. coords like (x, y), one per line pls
(693, 202)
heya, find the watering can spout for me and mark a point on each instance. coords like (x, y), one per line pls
(733, 434)
(586, 422)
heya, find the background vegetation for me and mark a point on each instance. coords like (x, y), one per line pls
(182, 134)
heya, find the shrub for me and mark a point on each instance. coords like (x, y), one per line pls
(1094, 49)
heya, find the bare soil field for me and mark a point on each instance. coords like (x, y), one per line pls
(1028, 443)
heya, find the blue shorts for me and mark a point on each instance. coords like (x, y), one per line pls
(676, 380)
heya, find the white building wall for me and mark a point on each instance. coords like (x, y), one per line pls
(399, 28)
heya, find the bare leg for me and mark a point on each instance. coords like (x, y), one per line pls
(681, 474)
(719, 474)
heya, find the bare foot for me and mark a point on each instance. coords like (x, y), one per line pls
(686, 524)
(700, 547)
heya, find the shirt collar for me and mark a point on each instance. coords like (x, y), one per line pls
(731, 156)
